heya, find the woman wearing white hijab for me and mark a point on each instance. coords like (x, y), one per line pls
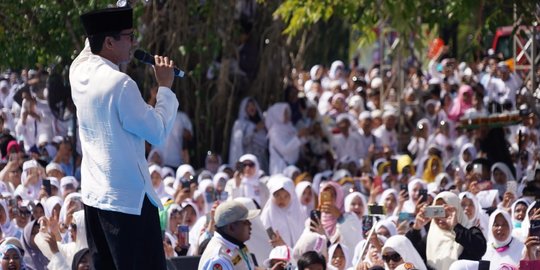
(338, 258)
(414, 187)
(283, 213)
(306, 196)
(356, 203)
(446, 234)
(53, 203)
(502, 248)
(476, 216)
(466, 155)
(398, 250)
(518, 214)
(157, 180)
(526, 224)
(284, 140)
(9, 227)
(249, 135)
(30, 181)
(250, 186)
(500, 175)
(389, 199)
(206, 199)
(386, 228)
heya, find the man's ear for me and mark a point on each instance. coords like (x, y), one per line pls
(108, 43)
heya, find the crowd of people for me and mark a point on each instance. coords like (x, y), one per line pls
(335, 182)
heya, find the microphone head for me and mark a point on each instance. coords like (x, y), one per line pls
(143, 56)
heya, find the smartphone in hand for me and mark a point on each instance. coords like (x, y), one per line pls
(270, 232)
(435, 211)
(183, 236)
(47, 186)
(423, 195)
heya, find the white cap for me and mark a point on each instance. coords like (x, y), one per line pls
(376, 83)
(364, 115)
(232, 211)
(53, 166)
(278, 253)
(54, 182)
(376, 113)
(43, 138)
(154, 168)
(69, 180)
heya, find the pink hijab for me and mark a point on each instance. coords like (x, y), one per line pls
(460, 106)
(328, 221)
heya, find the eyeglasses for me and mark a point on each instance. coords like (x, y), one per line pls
(391, 256)
(249, 164)
(130, 35)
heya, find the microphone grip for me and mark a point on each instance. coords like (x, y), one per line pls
(148, 59)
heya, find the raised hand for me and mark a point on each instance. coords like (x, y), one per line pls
(164, 70)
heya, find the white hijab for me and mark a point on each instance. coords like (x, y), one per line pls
(75, 196)
(349, 199)
(50, 203)
(480, 218)
(276, 218)
(410, 205)
(299, 189)
(331, 252)
(9, 228)
(471, 149)
(385, 194)
(518, 225)
(486, 198)
(388, 224)
(251, 185)
(439, 239)
(510, 255)
(403, 246)
(203, 185)
(280, 133)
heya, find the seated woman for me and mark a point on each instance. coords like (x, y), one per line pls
(282, 213)
(398, 250)
(502, 247)
(446, 234)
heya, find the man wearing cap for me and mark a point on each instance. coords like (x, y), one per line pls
(121, 206)
(226, 250)
(386, 133)
(370, 145)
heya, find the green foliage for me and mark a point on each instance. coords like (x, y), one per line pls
(40, 32)
(404, 16)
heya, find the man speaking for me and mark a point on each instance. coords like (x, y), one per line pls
(121, 207)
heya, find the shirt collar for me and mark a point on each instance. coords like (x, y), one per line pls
(107, 62)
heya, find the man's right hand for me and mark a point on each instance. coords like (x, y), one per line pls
(164, 70)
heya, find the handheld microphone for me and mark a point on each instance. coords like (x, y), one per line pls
(149, 59)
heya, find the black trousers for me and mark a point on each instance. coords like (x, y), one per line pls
(123, 241)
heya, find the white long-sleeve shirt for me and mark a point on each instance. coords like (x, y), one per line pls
(114, 122)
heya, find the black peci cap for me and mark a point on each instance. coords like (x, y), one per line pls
(107, 20)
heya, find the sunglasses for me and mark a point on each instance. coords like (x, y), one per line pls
(391, 256)
(249, 164)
